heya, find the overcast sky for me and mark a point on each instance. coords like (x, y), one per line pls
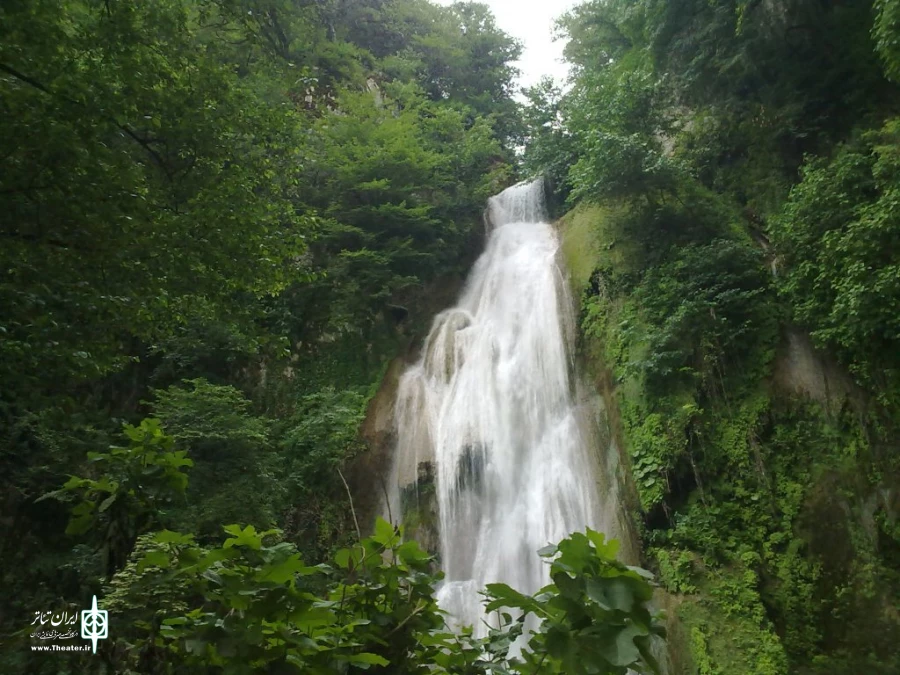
(531, 21)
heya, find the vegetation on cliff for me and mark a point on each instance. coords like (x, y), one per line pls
(733, 169)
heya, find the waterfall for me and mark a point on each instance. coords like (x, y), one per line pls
(488, 416)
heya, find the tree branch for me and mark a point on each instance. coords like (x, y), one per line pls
(352, 510)
(35, 239)
(145, 144)
(28, 80)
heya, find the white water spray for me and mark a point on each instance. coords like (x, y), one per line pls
(490, 406)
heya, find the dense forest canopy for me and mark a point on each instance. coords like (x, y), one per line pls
(221, 219)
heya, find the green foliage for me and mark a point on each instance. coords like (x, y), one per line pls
(689, 121)
(455, 53)
(675, 570)
(594, 617)
(323, 434)
(393, 172)
(739, 155)
(696, 328)
(231, 449)
(253, 604)
(796, 71)
(320, 438)
(550, 147)
(141, 591)
(135, 179)
(724, 636)
(616, 119)
(708, 309)
(161, 174)
(599, 35)
(838, 235)
(136, 485)
(209, 418)
(273, 615)
(732, 92)
(222, 213)
(657, 445)
(700, 652)
(212, 420)
(886, 33)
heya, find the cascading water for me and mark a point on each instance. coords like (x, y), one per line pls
(488, 413)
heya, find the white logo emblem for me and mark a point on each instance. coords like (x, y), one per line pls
(94, 624)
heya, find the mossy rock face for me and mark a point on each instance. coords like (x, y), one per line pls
(471, 467)
(418, 501)
(846, 523)
(726, 629)
(587, 242)
(768, 503)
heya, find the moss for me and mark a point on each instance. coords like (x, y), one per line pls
(729, 634)
(580, 243)
(418, 502)
(760, 511)
(700, 650)
(588, 241)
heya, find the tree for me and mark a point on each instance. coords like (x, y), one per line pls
(838, 235)
(550, 147)
(137, 187)
(885, 33)
(134, 490)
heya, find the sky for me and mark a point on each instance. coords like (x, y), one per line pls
(531, 21)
